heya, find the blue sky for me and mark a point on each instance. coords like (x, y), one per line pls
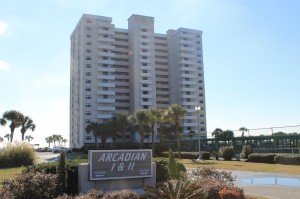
(251, 57)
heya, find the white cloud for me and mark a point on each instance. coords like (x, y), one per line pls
(3, 27)
(4, 66)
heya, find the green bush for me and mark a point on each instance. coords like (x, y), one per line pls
(176, 170)
(287, 159)
(16, 155)
(30, 185)
(161, 171)
(246, 151)
(52, 168)
(189, 155)
(227, 152)
(262, 157)
(159, 148)
(123, 194)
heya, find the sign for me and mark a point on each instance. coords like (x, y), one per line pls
(117, 164)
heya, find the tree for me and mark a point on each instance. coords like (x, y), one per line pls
(243, 129)
(7, 136)
(155, 116)
(64, 141)
(95, 128)
(140, 118)
(15, 118)
(175, 113)
(122, 123)
(29, 138)
(49, 140)
(2, 122)
(26, 124)
(1, 139)
(217, 133)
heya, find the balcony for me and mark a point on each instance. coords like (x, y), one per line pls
(106, 54)
(145, 40)
(106, 108)
(189, 103)
(106, 39)
(146, 96)
(186, 48)
(102, 61)
(146, 103)
(148, 47)
(145, 60)
(111, 85)
(102, 92)
(104, 116)
(188, 96)
(193, 89)
(190, 124)
(103, 46)
(106, 32)
(187, 75)
(183, 68)
(145, 54)
(145, 74)
(189, 42)
(187, 55)
(188, 82)
(145, 33)
(187, 62)
(191, 117)
(103, 100)
(145, 67)
(106, 69)
(146, 88)
(109, 77)
(146, 81)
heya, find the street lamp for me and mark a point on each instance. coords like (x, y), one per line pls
(198, 109)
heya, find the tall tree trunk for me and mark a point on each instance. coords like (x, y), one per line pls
(178, 139)
(11, 134)
(152, 127)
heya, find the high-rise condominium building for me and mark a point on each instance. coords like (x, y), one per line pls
(116, 70)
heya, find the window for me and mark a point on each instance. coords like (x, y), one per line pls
(88, 36)
(145, 107)
(88, 74)
(199, 61)
(105, 58)
(200, 94)
(144, 30)
(88, 58)
(88, 113)
(105, 73)
(88, 121)
(198, 36)
(144, 37)
(200, 81)
(105, 81)
(88, 21)
(144, 50)
(144, 57)
(198, 42)
(201, 101)
(105, 88)
(88, 50)
(105, 96)
(200, 74)
(88, 65)
(88, 43)
(144, 64)
(198, 48)
(88, 81)
(105, 65)
(88, 105)
(199, 55)
(144, 43)
(88, 97)
(88, 89)
(89, 28)
(189, 128)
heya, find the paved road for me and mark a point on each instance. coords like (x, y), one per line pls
(271, 191)
(46, 156)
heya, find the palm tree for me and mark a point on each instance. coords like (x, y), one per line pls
(175, 113)
(29, 138)
(122, 123)
(64, 141)
(7, 136)
(1, 139)
(15, 118)
(2, 122)
(140, 118)
(26, 123)
(154, 115)
(243, 129)
(94, 127)
(49, 140)
(217, 133)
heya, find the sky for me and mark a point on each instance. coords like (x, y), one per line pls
(251, 52)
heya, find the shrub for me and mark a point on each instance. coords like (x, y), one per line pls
(262, 157)
(62, 172)
(123, 194)
(92, 194)
(189, 155)
(227, 152)
(211, 173)
(175, 169)
(226, 193)
(176, 189)
(159, 148)
(16, 155)
(246, 151)
(287, 159)
(30, 185)
(161, 171)
(52, 168)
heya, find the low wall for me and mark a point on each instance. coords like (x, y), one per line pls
(84, 184)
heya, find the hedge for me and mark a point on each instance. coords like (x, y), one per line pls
(262, 157)
(189, 155)
(287, 159)
(273, 158)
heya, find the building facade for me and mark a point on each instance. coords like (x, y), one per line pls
(117, 70)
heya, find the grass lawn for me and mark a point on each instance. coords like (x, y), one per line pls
(9, 173)
(240, 165)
